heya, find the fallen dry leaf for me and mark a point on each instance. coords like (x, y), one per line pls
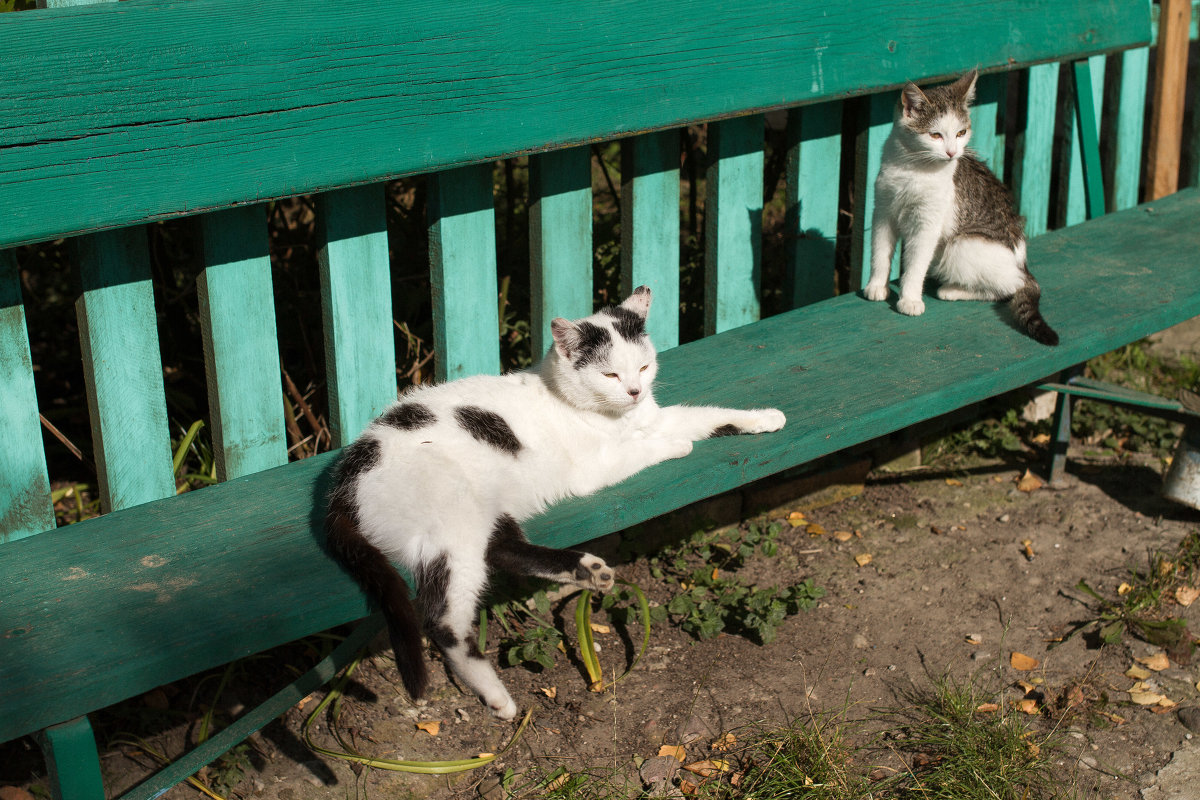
(843, 536)
(1041, 438)
(862, 559)
(1124, 589)
(486, 755)
(1167, 702)
(1146, 698)
(815, 530)
(1022, 662)
(557, 782)
(707, 768)
(1138, 673)
(724, 743)
(1026, 686)
(1027, 706)
(1027, 545)
(432, 727)
(675, 751)
(550, 691)
(953, 482)
(687, 787)
(598, 628)
(974, 638)
(1029, 482)
(1157, 662)
(1186, 595)
(986, 708)
(796, 519)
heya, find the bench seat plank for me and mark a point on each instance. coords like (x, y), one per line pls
(196, 109)
(239, 562)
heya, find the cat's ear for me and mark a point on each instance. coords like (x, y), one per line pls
(912, 99)
(566, 336)
(964, 87)
(638, 302)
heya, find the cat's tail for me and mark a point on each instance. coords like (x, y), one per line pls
(1025, 307)
(370, 567)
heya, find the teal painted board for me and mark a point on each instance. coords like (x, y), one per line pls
(118, 334)
(356, 308)
(1131, 105)
(560, 239)
(1076, 210)
(381, 90)
(25, 506)
(242, 562)
(814, 163)
(72, 760)
(1087, 126)
(462, 254)
(733, 223)
(987, 140)
(241, 349)
(650, 228)
(1035, 156)
(874, 125)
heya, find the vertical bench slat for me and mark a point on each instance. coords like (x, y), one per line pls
(1077, 203)
(462, 252)
(1035, 158)
(1087, 124)
(986, 140)
(1131, 105)
(560, 239)
(733, 223)
(873, 128)
(25, 505)
(241, 350)
(650, 228)
(123, 369)
(813, 179)
(356, 308)
(74, 766)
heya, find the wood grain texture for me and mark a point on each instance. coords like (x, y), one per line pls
(25, 507)
(1131, 105)
(241, 563)
(1167, 106)
(813, 184)
(462, 254)
(560, 239)
(356, 308)
(1035, 151)
(733, 223)
(241, 350)
(195, 108)
(874, 125)
(650, 228)
(118, 333)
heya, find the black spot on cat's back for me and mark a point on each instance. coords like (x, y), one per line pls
(408, 417)
(488, 427)
(725, 430)
(593, 345)
(629, 325)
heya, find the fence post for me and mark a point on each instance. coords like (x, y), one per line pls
(1170, 82)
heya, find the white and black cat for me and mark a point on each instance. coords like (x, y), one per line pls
(442, 480)
(955, 217)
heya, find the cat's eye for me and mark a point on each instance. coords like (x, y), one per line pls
(611, 375)
(936, 135)
(644, 368)
(962, 133)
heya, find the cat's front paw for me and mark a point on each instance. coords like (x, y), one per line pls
(875, 291)
(767, 420)
(910, 306)
(503, 708)
(592, 573)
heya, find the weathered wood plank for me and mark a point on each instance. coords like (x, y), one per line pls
(1131, 105)
(72, 760)
(987, 139)
(25, 506)
(356, 308)
(813, 182)
(381, 74)
(122, 368)
(873, 128)
(1089, 94)
(462, 252)
(733, 223)
(1170, 86)
(650, 228)
(1087, 128)
(560, 239)
(266, 580)
(1035, 156)
(241, 350)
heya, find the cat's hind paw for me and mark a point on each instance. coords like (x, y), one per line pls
(911, 307)
(875, 291)
(503, 708)
(593, 573)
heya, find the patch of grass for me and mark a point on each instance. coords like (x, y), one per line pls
(950, 751)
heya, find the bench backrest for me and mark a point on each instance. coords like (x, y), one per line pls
(120, 114)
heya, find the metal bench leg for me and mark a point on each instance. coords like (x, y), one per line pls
(1182, 483)
(72, 760)
(1062, 428)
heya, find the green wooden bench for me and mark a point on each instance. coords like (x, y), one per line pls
(113, 116)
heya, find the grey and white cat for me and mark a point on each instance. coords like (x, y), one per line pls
(442, 480)
(955, 217)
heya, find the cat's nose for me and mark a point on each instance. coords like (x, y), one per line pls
(633, 391)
